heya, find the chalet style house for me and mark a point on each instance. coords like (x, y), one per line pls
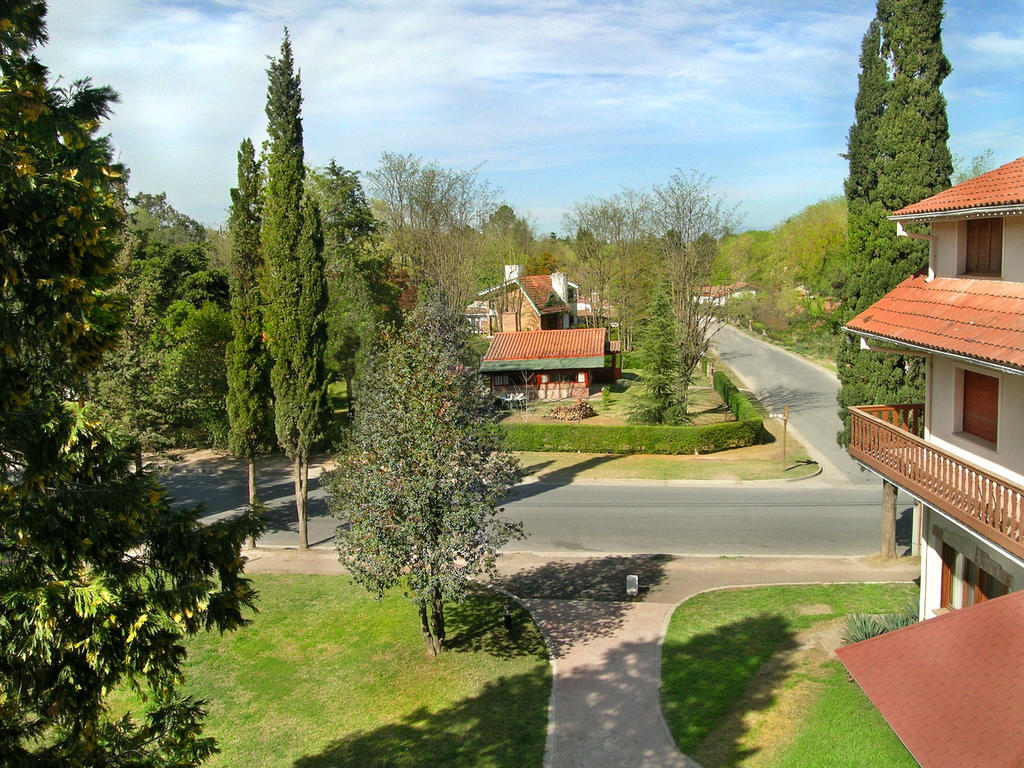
(525, 303)
(550, 365)
(961, 453)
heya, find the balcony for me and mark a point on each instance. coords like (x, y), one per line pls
(888, 439)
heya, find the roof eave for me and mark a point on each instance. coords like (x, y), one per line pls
(1016, 209)
(918, 348)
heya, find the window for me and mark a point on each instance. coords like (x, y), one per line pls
(502, 379)
(984, 247)
(965, 583)
(981, 406)
(545, 378)
(581, 377)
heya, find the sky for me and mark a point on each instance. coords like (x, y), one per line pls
(554, 100)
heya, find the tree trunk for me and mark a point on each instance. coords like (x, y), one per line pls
(429, 640)
(252, 494)
(888, 519)
(301, 476)
(138, 460)
(350, 396)
(437, 618)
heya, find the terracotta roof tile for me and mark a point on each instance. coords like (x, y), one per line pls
(539, 345)
(952, 687)
(540, 291)
(982, 319)
(1003, 186)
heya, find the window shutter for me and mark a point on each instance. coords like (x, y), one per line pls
(981, 405)
(985, 246)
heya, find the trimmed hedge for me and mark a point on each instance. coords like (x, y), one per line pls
(738, 403)
(585, 438)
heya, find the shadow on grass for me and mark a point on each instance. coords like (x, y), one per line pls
(711, 682)
(504, 727)
(575, 601)
(494, 624)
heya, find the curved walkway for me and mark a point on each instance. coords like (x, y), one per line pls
(606, 650)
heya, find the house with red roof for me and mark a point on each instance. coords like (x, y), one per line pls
(527, 302)
(550, 365)
(960, 453)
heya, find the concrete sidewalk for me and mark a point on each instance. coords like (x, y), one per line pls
(605, 649)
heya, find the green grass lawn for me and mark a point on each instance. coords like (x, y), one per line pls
(739, 687)
(326, 676)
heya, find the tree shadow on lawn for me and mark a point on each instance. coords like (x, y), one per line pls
(713, 681)
(489, 622)
(505, 726)
(577, 600)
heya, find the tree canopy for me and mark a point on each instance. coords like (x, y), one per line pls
(100, 579)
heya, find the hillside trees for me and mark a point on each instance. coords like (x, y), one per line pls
(100, 580)
(419, 486)
(296, 291)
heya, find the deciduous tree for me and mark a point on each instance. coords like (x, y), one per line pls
(417, 490)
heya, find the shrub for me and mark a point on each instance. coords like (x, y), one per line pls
(586, 438)
(737, 402)
(862, 626)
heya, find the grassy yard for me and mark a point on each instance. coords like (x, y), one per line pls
(748, 680)
(326, 676)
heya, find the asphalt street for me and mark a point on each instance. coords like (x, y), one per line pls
(836, 513)
(779, 379)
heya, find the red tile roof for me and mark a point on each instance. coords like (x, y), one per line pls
(981, 319)
(952, 687)
(1003, 186)
(539, 345)
(538, 288)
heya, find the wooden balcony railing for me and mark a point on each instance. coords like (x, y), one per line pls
(888, 439)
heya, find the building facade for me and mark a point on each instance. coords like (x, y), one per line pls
(961, 452)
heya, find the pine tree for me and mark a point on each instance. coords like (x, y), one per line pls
(296, 293)
(908, 161)
(419, 487)
(248, 365)
(100, 578)
(659, 398)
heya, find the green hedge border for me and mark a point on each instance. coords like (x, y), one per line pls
(748, 429)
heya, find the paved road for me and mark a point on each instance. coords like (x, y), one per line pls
(809, 517)
(779, 379)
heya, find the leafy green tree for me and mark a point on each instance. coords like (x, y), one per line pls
(357, 269)
(418, 488)
(896, 158)
(248, 364)
(100, 579)
(296, 292)
(658, 399)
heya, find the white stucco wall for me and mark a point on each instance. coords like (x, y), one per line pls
(937, 528)
(944, 417)
(950, 256)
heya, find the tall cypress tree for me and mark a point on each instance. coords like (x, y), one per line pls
(898, 155)
(296, 293)
(248, 365)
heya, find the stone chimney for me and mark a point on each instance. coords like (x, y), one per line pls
(560, 285)
(513, 271)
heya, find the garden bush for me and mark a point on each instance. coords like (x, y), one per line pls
(737, 402)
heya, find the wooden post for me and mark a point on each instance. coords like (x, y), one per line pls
(785, 429)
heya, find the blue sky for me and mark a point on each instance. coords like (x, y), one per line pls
(558, 99)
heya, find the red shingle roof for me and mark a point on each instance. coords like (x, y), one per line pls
(1003, 186)
(539, 345)
(538, 288)
(952, 687)
(982, 319)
